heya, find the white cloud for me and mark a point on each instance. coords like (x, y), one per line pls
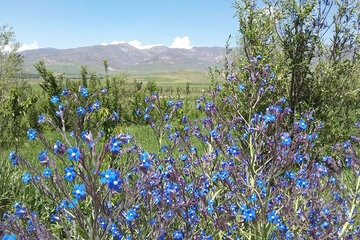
(7, 48)
(178, 42)
(30, 46)
(116, 42)
(181, 42)
(135, 43)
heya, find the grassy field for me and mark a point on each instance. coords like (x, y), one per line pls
(178, 78)
(168, 82)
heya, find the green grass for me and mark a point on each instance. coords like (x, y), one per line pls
(167, 81)
(178, 78)
(12, 189)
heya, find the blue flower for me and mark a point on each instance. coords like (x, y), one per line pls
(179, 103)
(288, 235)
(241, 87)
(281, 227)
(286, 139)
(138, 111)
(59, 147)
(70, 173)
(144, 160)
(272, 217)
(54, 217)
(43, 157)
(146, 116)
(47, 173)
(73, 154)
(214, 133)
(9, 237)
(96, 105)
(302, 124)
(115, 116)
(234, 150)
(325, 224)
(63, 204)
(80, 110)
(183, 157)
(83, 91)
(105, 176)
(79, 191)
(170, 103)
(26, 178)
(215, 176)
(114, 145)
(209, 106)
(252, 198)
(209, 209)
(114, 181)
(269, 118)
(130, 215)
(13, 158)
(31, 133)
(41, 119)
(85, 136)
(290, 174)
(249, 214)
(179, 235)
(325, 210)
(223, 174)
(54, 99)
(302, 182)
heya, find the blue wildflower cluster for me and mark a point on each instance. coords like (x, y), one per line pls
(234, 173)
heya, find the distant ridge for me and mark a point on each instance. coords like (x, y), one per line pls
(123, 57)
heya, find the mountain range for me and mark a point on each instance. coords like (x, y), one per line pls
(123, 57)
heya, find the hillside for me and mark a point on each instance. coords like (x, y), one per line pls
(123, 57)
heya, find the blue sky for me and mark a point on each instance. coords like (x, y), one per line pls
(75, 23)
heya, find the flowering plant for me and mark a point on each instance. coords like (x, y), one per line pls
(234, 174)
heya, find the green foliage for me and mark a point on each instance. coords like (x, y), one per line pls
(152, 87)
(14, 99)
(309, 53)
(50, 84)
(13, 110)
(10, 61)
(335, 94)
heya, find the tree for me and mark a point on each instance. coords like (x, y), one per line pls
(10, 60)
(307, 44)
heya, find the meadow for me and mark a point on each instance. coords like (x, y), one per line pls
(264, 147)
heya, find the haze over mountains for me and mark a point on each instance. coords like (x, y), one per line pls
(123, 57)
